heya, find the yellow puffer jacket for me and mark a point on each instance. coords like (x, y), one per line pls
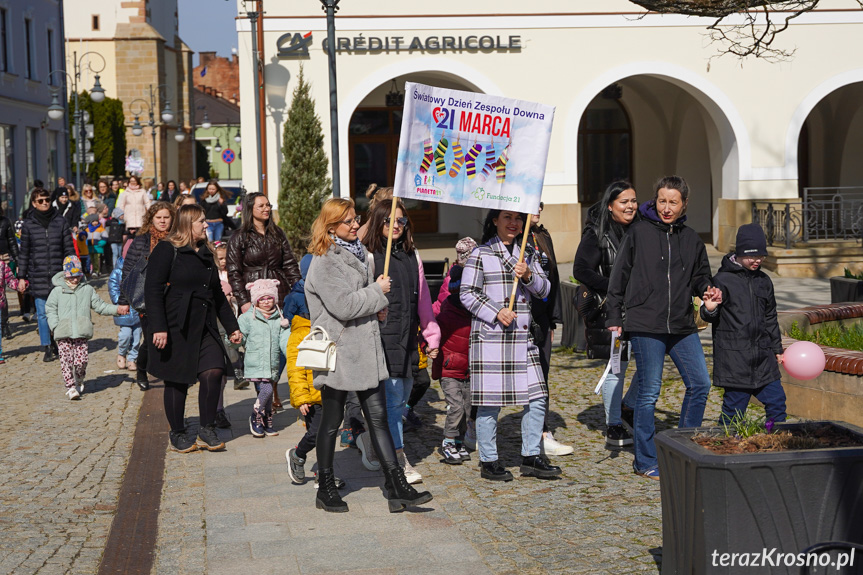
(299, 378)
(424, 359)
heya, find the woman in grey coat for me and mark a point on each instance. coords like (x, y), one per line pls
(347, 302)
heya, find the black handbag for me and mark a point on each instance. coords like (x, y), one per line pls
(132, 285)
(588, 304)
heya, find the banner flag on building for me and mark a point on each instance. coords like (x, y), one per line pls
(472, 149)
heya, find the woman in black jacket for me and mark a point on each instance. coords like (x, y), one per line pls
(214, 202)
(608, 221)
(9, 254)
(260, 250)
(157, 225)
(69, 207)
(45, 241)
(661, 266)
(184, 298)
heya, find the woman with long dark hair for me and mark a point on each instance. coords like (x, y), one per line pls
(504, 358)
(346, 300)
(661, 265)
(408, 311)
(157, 225)
(607, 223)
(184, 299)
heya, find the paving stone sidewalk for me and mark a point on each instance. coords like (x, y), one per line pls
(61, 462)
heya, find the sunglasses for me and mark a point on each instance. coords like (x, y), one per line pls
(42, 201)
(402, 221)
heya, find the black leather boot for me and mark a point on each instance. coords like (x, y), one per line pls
(536, 466)
(328, 497)
(400, 493)
(49, 354)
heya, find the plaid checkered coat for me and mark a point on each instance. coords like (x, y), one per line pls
(504, 362)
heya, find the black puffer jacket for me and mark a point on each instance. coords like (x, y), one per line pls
(399, 332)
(252, 256)
(659, 269)
(43, 249)
(8, 243)
(746, 337)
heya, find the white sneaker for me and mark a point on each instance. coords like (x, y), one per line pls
(79, 386)
(550, 446)
(411, 474)
(73, 393)
(367, 450)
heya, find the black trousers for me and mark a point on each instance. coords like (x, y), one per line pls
(374, 406)
(142, 347)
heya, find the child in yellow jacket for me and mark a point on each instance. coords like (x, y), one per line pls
(304, 396)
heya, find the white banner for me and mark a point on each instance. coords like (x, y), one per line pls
(472, 149)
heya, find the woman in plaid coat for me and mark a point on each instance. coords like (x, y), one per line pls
(504, 361)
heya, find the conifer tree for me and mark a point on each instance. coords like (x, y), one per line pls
(304, 181)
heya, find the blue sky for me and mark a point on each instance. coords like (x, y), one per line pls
(207, 25)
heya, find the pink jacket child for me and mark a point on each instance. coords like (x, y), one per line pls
(7, 279)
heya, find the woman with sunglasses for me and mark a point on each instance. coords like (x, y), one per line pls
(45, 241)
(409, 309)
(346, 300)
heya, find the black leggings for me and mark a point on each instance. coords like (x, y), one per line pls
(142, 347)
(374, 404)
(208, 399)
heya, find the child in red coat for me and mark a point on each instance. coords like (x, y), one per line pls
(451, 365)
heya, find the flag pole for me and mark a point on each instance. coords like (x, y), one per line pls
(390, 238)
(520, 259)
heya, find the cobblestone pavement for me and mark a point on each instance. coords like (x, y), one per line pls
(61, 462)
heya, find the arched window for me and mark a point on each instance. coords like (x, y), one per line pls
(604, 146)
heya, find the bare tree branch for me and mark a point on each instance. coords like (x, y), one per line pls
(742, 27)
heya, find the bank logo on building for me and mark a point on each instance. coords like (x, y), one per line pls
(294, 45)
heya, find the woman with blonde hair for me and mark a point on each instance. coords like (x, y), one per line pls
(183, 200)
(184, 299)
(347, 301)
(88, 197)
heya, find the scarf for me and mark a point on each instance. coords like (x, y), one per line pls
(212, 199)
(355, 247)
(44, 218)
(72, 286)
(155, 237)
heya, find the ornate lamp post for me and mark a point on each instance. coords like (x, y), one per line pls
(331, 7)
(167, 115)
(56, 109)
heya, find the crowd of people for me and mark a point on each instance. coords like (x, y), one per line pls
(192, 308)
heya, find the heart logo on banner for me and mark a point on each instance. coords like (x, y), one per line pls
(438, 115)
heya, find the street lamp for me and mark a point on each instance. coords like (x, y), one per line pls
(331, 7)
(206, 124)
(253, 16)
(56, 110)
(167, 115)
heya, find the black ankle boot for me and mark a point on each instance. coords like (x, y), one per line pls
(328, 497)
(49, 354)
(400, 493)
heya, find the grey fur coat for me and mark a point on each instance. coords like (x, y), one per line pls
(343, 298)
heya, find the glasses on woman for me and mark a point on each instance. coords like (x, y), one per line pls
(357, 220)
(402, 221)
(264, 207)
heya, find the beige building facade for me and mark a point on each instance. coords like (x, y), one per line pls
(140, 44)
(636, 96)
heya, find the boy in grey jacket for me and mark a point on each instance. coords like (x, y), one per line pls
(68, 312)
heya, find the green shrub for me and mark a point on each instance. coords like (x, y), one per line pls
(849, 274)
(831, 336)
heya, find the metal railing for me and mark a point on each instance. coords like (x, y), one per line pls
(823, 214)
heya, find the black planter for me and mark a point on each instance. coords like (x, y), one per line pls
(844, 289)
(754, 502)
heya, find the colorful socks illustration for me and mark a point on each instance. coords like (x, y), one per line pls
(458, 161)
(470, 165)
(440, 156)
(427, 156)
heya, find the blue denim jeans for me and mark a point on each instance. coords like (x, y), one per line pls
(127, 342)
(398, 390)
(42, 322)
(649, 350)
(215, 231)
(116, 252)
(736, 400)
(612, 392)
(531, 429)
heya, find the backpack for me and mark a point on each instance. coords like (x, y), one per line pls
(132, 285)
(116, 231)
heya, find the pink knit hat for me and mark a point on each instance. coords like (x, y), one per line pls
(263, 288)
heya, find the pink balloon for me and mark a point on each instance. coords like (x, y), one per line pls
(804, 360)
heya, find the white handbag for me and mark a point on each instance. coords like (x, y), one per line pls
(318, 354)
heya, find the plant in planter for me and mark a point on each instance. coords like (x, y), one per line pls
(747, 490)
(846, 288)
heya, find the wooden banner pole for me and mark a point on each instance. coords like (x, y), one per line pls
(389, 238)
(520, 259)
